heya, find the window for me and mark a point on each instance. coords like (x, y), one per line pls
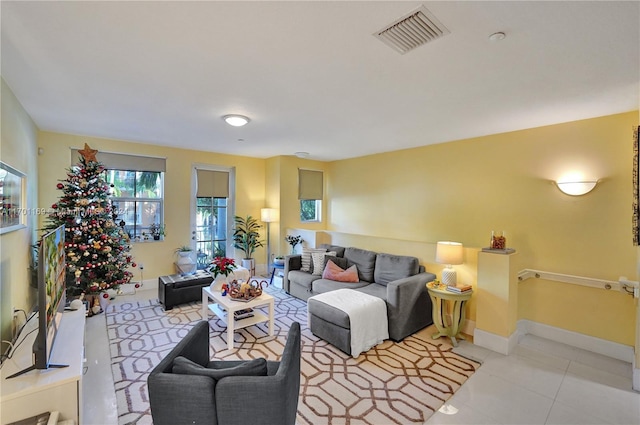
(211, 228)
(138, 197)
(310, 209)
(310, 191)
(212, 215)
(137, 192)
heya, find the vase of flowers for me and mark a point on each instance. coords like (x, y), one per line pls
(293, 240)
(221, 268)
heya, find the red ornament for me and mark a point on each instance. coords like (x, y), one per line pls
(59, 185)
(137, 285)
(103, 237)
(105, 295)
(54, 206)
(134, 265)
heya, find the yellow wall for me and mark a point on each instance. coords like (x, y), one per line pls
(158, 257)
(462, 190)
(18, 150)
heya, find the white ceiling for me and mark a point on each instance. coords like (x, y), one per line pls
(311, 76)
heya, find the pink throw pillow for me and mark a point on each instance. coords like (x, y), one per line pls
(337, 273)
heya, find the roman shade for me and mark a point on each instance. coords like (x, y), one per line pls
(212, 184)
(309, 184)
(119, 161)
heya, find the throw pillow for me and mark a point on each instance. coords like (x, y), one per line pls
(343, 263)
(318, 261)
(306, 258)
(337, 273)
(255, 367)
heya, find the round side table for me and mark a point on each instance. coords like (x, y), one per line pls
(440, 298)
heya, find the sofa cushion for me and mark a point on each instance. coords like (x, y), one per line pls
(307, 263)
(328, 313)
(338, 261)
(321, 286)
(393, 267)
(255, 367)
(334, 272)
(364, 260)
(319, 261)
(339, 250)
(303, 279)
(374, 289)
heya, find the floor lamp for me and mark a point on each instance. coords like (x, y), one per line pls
(268, 215)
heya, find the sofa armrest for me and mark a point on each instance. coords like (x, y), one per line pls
(291, 262)
(408, 305)
(268, 395)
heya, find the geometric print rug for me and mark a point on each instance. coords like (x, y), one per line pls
(392, 383)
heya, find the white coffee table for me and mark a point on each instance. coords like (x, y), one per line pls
(224, 307)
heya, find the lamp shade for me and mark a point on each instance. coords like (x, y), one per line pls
(269, 215)
(577, 188)
(449, 253)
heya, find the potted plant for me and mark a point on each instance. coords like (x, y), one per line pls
(185, 263)
(247, 238)
(293, 240)
(157, 231)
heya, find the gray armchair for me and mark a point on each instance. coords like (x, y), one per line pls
(193, 399)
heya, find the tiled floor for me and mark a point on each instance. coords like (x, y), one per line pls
(542, 382)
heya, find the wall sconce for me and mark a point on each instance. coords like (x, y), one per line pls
(577, 188)
(449, 253)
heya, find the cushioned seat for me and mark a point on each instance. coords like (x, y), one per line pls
(325, 285)
(224, 395)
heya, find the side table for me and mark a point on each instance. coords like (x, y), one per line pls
(440, 298)
(273, 271)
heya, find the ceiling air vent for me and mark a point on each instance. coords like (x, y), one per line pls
(412, 30)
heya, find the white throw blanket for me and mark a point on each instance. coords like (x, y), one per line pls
(367, 314)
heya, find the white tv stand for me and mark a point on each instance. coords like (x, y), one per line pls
(49, 390)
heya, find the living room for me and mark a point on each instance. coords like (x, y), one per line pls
(458, 189)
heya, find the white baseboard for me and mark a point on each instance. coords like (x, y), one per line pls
(493, 342)
(578, 340)
(635, 384)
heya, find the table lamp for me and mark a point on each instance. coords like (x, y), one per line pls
(449, 253)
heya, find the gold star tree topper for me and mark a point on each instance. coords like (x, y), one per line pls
(88, 154)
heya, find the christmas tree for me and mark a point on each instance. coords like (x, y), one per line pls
(97, 249)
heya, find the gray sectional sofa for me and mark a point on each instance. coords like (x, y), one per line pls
(399, 280)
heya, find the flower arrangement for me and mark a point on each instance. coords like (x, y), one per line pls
(222, 265)
(293, 240)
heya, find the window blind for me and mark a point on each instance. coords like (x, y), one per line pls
(126, 162)
(309, 184)
(212, 184)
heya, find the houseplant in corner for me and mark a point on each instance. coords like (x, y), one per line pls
(185, 263)
(246, 238)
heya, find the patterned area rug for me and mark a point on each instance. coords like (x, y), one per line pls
(393, 383)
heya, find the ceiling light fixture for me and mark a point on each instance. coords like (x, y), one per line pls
(497, 36)
(302, 154)
(236, 120)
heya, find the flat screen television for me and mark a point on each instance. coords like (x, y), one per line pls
(51, 297)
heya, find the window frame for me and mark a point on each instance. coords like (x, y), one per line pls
(138, 231)
(318, 211)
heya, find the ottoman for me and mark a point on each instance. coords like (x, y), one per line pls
(177, 289)
(350, 320)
